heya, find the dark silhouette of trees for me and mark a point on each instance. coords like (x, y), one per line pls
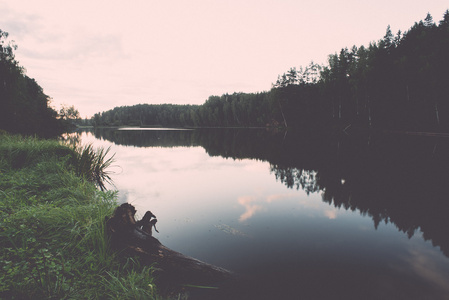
(391, 178)
(69, 113)
(235, 110)
(24, 107)
(397, 83)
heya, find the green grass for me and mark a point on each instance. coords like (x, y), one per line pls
(92, 164)
(52, 236)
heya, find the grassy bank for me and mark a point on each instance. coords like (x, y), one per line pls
(52, 241)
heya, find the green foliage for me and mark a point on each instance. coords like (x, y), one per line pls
(69, 113)
(17, 152)
(52, 230)
(126, 283)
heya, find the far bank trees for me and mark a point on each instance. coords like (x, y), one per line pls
(400, 82)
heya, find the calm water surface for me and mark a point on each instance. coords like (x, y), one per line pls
(306, 218)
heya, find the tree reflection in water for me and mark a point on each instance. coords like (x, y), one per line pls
(391, 178)
(395, 179)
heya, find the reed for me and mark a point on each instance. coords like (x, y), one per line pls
(93, 164)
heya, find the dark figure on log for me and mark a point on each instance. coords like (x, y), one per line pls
(147, 223)
(174, 270)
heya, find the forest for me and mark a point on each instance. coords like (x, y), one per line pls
(24, 106)
(399, 83)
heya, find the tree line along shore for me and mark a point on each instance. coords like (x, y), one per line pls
(397, 83)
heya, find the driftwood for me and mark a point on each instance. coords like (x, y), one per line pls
(174, 270)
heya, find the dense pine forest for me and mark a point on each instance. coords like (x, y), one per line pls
(397, 83)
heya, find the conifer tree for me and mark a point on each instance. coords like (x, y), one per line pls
(428, 21)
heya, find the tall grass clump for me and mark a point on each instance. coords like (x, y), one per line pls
(93, 164)
(52, 227)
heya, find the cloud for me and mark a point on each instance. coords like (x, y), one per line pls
(277, 197)
(331, 214)
(250, 208)
(428, 264)
(18, 24)
(255, 204)
(78, 48)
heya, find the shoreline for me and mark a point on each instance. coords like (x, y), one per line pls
(52, 241)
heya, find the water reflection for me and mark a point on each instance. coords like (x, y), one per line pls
(386, 180)
(250, 207)
(396, 179)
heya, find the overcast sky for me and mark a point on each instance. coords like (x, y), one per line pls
(96, 54)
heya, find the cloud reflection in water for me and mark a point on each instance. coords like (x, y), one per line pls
(255, 204)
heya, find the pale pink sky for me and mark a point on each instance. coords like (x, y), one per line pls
(96, 55)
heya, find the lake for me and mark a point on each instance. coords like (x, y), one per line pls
(304, 216)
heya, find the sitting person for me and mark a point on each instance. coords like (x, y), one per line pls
(147, 223)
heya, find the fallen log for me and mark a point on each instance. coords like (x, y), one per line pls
(174, 270)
